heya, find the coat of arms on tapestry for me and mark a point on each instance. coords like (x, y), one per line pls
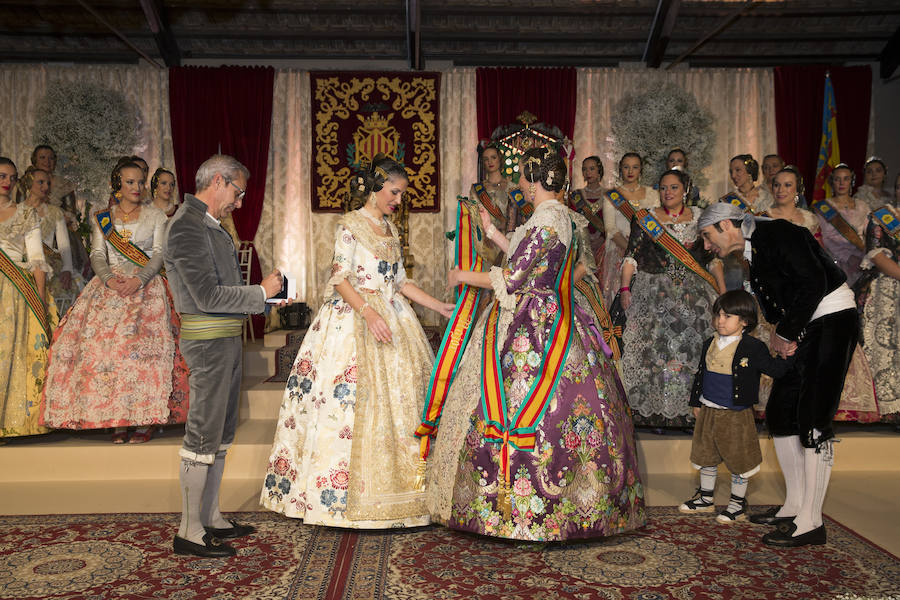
(356, 115)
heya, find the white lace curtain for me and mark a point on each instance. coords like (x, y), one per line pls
(292, 237)
(741, 101)
(23, 86)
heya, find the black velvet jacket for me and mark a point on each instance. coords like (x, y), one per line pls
(751, 358)
(790, 273)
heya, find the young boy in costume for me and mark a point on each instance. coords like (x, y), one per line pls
(726, 386)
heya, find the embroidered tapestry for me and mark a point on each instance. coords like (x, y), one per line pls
(359, 114)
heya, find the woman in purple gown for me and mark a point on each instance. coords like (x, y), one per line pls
(577, 477)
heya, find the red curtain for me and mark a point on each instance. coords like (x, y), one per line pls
(227, 110)
(799, 94)
(547, 93)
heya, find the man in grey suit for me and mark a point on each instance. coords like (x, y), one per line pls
(209, 292)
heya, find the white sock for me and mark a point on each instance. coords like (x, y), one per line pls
(708, 481)
(193, 480)
(209, 509)
(738, 490)
(789, 451)
(818, 463)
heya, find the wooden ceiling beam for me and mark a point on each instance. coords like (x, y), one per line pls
(413, 34)
(118, 33)
(725, 24)
(166, 43)
(660, 32)
(889, 59)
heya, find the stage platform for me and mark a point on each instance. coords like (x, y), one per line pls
(82, 472)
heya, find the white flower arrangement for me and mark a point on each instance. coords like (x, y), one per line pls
(654, 120)
(90, 127)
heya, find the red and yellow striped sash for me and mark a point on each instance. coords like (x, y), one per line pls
(456, 336)
(518, 197)
(486, 201)
(24, 284)
(612, 335)
(836, 220)
(621, 203)
(124, 247)
(734, 199)
(658, 234)
(520, 431)
(581, 205)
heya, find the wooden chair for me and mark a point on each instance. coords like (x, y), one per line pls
(245, 260)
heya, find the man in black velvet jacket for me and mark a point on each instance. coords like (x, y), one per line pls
(804, 293)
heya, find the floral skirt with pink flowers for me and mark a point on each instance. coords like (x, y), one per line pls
(114, 361)
(344, 453)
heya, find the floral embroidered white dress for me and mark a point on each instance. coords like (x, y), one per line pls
(344, 453)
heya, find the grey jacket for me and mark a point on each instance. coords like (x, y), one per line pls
(202, 266)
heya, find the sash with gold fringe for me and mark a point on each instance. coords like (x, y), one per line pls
(834, 218)
(518, 197)
(886, 219)
(612, 334)
(519, 432)
(24, 284)
(486, 201)
(456, 336)
(125, 248)
(732, 198)
(581, 205)
(621, 203)
(667, 241)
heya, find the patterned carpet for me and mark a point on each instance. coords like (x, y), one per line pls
(128, 556)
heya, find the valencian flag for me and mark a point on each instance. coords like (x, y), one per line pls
(829, 153)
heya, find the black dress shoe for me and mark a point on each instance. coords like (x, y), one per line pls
(768, 517)
(783, 536)
(235, 531)
(212, 547)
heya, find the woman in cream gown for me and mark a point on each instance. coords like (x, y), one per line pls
(344, 454)
(24, 339)
(66, 282)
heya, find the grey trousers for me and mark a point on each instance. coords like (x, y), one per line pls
(215, 381)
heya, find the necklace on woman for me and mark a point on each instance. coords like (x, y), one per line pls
(380, 223)
(493, 183)
(675, 216)
(632, 190)
(124, 216)
(593, 188)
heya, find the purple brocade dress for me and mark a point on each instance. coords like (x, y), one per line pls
(581, 480)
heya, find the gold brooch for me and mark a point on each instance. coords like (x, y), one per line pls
(745, 362)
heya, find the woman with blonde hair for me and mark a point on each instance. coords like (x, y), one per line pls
(26, 311)
(66, 283)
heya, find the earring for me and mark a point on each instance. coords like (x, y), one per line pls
(684, 197)
(371, 200)
(532, 190)
(796, 199)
